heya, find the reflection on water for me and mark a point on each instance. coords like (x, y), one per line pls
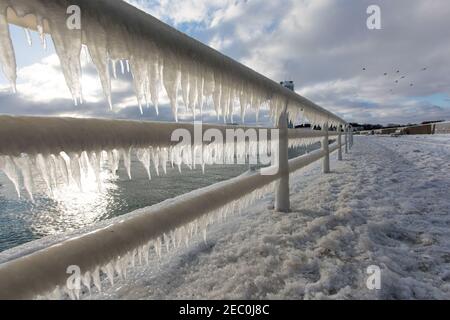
(69, 209)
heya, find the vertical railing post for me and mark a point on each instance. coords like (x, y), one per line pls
(346, 138)
(282, 202)
(339, 129)
(326, 148)
(351, 137)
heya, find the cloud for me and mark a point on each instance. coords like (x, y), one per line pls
(184, 11)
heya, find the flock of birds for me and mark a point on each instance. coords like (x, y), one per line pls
(397, 73)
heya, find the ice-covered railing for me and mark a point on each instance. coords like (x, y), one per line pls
(157, 55)
(108, 253)
(36, 143)
(64, 149)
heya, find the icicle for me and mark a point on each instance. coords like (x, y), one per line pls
(114, 68)
(140, 76)
(201, 96)
(96, 279)
(167, 242)
(224, 103)
(122, 67)
(243, 99)
(154, 85)
(94, 160)
(143, 156)
(145, 254)
(114, 159)
(127, 161)
(125, 261)
(155, 158)
(164, 157)
(146, 88)
(75, 165)
(64, 166)
(41, 164)
(68, 48)
(171, 83)
(52, 167)
(97, 42)
(258, 108)
(7, 55)
(217, 94)
(158, 245)
(23, 163)
(28, 36)
(140, 254)
(209, 84)
(8, 167)
(109, 271)
(118, 267)
(84, 163)
(40, 29)
(86, 280)
(133, 258)
(184, 81)
(193, 90)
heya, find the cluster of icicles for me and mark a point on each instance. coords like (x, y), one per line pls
(304, 142)
(118, 268)
(156, 55)
(70, 168)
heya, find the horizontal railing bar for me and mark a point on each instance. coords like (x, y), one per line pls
(51, 135)
(303, 161)
(308, 133)
(43, 270)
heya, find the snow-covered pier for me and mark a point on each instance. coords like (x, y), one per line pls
(386, 204)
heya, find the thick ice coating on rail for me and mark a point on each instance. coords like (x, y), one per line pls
(156, 55)
(66, 151)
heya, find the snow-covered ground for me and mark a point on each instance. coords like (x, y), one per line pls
(386, 204)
